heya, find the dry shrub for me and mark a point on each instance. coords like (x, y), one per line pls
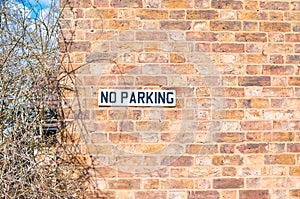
(40, 153)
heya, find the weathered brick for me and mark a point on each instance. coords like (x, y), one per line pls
(278, 48)
(251, 37)
(226, 25)
(227, 160)
(293, 59)
(229, 137)
(256, 125)
(228, 48)
(126, 3)
(293, 148)
(279, 137)
(203, 195)
(278, 70)
(250, 26)
(294, 193)
(259, 194)
(253, 148)
(177, 184)
(292, 37)
(228, 183)
(152, 14)
(175, 25)
(78, 46)
(101, 3)
(226, 4)
(275, 16)
(255, 81)
(176, 58)
(252, 15)
(274, 5)
(151, 36)
(177, 14)
(176, 4)
(292, 16)
(201, 14)
(277, 92)
(153, 58)
(275, 26)
(101, 13)
(282, 159)
(294, 81)
(151, 194)
(294, 170)
(201, 36)
(202, 3)
(229, 171)
(124, 184)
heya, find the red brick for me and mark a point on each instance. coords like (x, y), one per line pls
(203, 195)
(126, 3)
(228, 48)
(225, 25)
(227, 4)
(258, 194)
(255, 81)
(251, 37)
(228, 183)
(201, 36)
(201, 14)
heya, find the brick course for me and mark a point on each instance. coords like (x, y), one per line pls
(235, 67)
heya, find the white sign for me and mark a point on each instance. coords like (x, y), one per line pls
(120, 97)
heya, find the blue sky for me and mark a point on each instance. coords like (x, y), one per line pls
(36, 5)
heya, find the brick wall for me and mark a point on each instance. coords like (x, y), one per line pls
(235, 131)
